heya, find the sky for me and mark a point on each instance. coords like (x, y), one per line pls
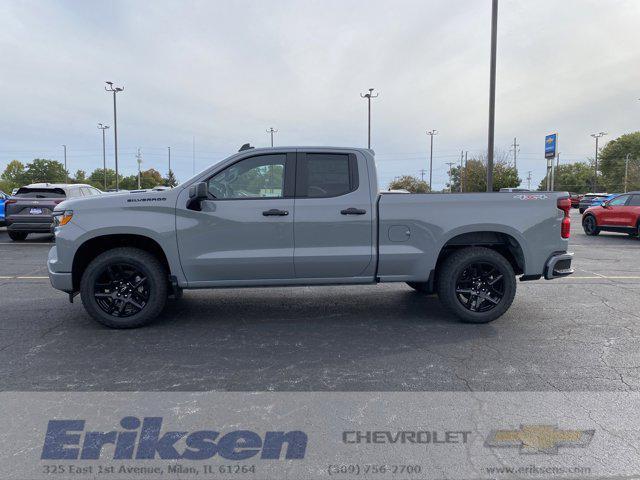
(223, 72)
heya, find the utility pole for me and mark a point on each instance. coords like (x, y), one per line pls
(626, 172)
(422, 172)
(515, 153)
(66, 173)
(169, 156)
(104, 154)
(492, 94)
(139, 161)
(369, 96)
(194, 154)
(529, 181)
(431, 133)
(271, 130)
(555, 172)
(595, 178)
(460, 172)
(465, 169)
(450, 186)
(115, 91)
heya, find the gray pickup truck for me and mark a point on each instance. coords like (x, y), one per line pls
(303, 216)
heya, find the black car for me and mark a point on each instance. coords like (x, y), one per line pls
(30, 209)
(585, 201)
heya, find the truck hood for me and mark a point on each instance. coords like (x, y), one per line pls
(121, 200)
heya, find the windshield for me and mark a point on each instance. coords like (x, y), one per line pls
(26, 192)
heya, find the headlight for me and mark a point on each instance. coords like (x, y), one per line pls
(62, 218)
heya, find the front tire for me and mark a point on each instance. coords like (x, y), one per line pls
(18, 236)
(124, 288)
(476, 284)
(590, 226)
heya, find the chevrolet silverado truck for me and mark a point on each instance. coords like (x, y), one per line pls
(303, 216)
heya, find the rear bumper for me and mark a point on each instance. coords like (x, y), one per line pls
(29, 227)
(558, 265)
(59, 280)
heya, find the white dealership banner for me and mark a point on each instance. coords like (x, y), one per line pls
(315, 435)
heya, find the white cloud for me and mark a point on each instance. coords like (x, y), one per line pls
(225, 71)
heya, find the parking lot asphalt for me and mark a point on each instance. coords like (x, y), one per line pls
(577, 333)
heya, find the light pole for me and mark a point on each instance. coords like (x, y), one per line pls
(115, 90)
(271, 130)
(104, 154)
(431, 133)
(626, 172)
(66, 174)
(595, 178)
(369, 96)
(492, 94)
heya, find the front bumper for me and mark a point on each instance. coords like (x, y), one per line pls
(59, 280)
(558, 265)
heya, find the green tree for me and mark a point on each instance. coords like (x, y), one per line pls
(410, 183)
(611, 163)
(14, 174)
(97, 178)
(43, 170)
(170, 180)
(572, 177)
(148, 179)
(80, 176)
(474, 176)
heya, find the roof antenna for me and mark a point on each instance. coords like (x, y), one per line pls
(246, 146)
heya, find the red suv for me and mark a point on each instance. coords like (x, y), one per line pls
(620, 214)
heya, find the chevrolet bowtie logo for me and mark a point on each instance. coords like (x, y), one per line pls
(533, 439)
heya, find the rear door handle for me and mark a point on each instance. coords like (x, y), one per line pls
(353, 211)
(274, 212)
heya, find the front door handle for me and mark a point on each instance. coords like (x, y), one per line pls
(274, 212)
(353, 211)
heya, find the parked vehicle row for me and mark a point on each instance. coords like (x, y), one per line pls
(588, 198)
(618, 214)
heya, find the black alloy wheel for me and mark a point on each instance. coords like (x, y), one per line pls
(480, 287)
(121, 290)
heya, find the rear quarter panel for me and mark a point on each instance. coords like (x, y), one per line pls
(533, 220)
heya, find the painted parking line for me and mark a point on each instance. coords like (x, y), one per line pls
(22, 277)
(29, 243)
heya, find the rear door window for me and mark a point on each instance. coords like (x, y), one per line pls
(635, 201)
(326, 175)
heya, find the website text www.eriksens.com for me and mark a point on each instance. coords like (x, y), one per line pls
(536, 470)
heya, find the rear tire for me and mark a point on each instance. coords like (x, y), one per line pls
(18, 236)
(590, 226)
(422, 287)
(476, 284)
(124, 288)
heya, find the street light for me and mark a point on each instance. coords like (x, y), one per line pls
(115, 90)
(104, 155)
(272, 130)
(431, 133)
(595, 178)
(66, 173)
(369, 96)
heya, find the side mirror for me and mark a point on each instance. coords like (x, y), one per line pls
(605, 205)
(199, 191)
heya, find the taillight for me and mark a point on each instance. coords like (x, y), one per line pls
(564, 204)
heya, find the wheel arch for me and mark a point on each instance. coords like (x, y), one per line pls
(502, 242)
(94, 246)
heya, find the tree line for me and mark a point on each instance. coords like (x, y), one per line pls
(41, 170)
(618, 170)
